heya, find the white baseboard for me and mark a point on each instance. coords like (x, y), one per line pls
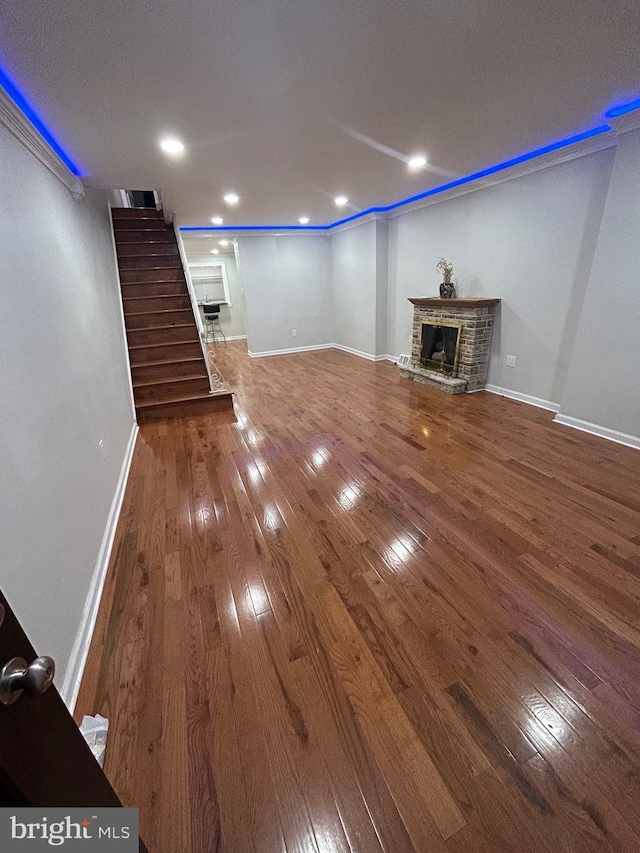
(523, 398)
(289, 351)
(236, 337)
(601, 431)
(369, 356)
(78, 658)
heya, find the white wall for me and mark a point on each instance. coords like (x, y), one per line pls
(64, 385)
(232, 317)
(286, 286)
(530, 242)
(603, 381)
(353, 283)
(564, 267)
(382, 289)
(359, 284)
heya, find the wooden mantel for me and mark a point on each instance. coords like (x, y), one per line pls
(438, 302)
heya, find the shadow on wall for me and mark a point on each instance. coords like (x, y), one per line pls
(584, 263)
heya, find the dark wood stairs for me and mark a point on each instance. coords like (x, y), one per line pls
(168, 369)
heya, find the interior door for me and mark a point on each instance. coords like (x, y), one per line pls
(44, 760)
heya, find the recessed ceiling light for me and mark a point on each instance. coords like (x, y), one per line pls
(224, 242)
(231, 198)
(172, 146)
(303, 220)
(417, 162)
(215, 251)
(217, 220)
(341, 200)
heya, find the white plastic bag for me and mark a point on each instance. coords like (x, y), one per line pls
(94, 731)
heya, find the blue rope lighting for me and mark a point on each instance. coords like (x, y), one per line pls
(490, 170)
(622, 109)
(254, 227)
(28, 111)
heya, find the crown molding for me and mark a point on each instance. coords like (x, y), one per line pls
(545, 161)
(355, 223)
(625, 123)
(20, 126)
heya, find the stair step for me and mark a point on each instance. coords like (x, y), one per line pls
(147, 249)
(128, 226)
(141, 304)
(153, 352)
(187, 407)
(184, 333)
(154, 263)
(144, 235)
(159, 319)
(157, 362)
(136, 213)
(177, 397)
(168, 391)
(152, 276)
(165, 326)
(170, 380)
(168, 370)
(154, 289)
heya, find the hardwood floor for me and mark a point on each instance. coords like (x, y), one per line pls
(364, 615)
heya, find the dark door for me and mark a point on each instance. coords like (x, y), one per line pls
(44, 760)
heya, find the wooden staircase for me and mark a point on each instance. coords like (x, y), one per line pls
(168, 369)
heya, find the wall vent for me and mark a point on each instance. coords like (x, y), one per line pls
(403, 360)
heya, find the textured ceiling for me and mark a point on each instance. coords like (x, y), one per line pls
(290, 102)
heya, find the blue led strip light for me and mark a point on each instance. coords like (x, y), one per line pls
(500, 167)
(622, 109)
(255, 227)
(28, 111)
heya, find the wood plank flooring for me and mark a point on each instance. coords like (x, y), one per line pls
(362, 615)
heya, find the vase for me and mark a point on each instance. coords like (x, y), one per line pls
(447, 290)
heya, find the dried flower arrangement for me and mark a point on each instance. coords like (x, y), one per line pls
(446, 269)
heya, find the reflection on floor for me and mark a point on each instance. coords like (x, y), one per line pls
(365, 615)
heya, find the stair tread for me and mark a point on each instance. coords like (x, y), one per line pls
(202, 395)
(124, 212)
(166, 326)
(175, 266)
(157, 361)
(166, 343)
(155, 281)
(159, 296)
(162, 344)
(149, 225)
(134, 225)
(148, 255)
(149, 238)
(169, 380)
(159, 311)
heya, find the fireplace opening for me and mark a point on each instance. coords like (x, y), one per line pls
(440, 347)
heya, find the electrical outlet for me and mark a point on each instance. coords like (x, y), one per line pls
(294, 332)
(103, 449)
(511, 361)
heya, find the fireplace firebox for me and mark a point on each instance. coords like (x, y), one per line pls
(440, 346)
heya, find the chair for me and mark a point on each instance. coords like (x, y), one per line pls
(212, 319)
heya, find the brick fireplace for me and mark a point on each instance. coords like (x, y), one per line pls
(451, 343)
